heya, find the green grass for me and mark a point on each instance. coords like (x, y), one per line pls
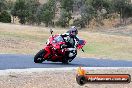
(109, 50)
(98, 45)
(24, 36)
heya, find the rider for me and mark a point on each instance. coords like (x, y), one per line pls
(73, 31)
(71, 37)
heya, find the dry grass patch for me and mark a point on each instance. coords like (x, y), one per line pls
(29, 40)
(108, 46)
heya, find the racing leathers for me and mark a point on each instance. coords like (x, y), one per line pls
(70, 41)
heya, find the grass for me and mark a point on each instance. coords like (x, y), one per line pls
(29, 40)
(109, 50)
(108, 46)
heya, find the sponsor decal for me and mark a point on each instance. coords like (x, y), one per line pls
(83, 77)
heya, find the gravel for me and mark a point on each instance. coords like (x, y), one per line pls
(57, 79)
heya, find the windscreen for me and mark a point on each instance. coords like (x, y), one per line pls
(58, 39)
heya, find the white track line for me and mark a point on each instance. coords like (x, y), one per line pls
(30, 70)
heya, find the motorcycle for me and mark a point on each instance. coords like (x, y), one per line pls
(56, 50)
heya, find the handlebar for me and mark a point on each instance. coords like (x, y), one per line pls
(63, 46)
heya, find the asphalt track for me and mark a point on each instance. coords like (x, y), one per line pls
(18, 61)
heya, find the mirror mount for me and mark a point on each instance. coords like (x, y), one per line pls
(51, 31)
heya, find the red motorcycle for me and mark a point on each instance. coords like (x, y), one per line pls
(56, 50)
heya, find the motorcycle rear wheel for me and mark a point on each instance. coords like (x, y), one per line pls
(71, 58)
(65, 61)
(38, 58)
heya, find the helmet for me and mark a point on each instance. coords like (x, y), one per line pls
(73, 31)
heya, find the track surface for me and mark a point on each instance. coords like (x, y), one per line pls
(16, 61)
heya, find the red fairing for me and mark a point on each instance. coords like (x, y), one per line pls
(54, 43)
(48, 49)
(80, 45)
(53, 48)
(52, 38)
(58, 45)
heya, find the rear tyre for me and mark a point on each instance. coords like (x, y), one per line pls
(38, 58)
(71, 58)
(65, 61)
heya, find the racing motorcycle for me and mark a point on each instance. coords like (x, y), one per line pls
(56, 50)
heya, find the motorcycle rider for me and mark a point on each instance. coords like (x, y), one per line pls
(73, 31)
(71, 37)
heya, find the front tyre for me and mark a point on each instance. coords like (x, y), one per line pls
(38, 58)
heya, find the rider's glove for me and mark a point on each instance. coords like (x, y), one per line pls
(63, 46)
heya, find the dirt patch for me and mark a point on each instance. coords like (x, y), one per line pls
(11, 45)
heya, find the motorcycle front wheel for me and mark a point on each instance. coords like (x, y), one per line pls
(38, 58)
